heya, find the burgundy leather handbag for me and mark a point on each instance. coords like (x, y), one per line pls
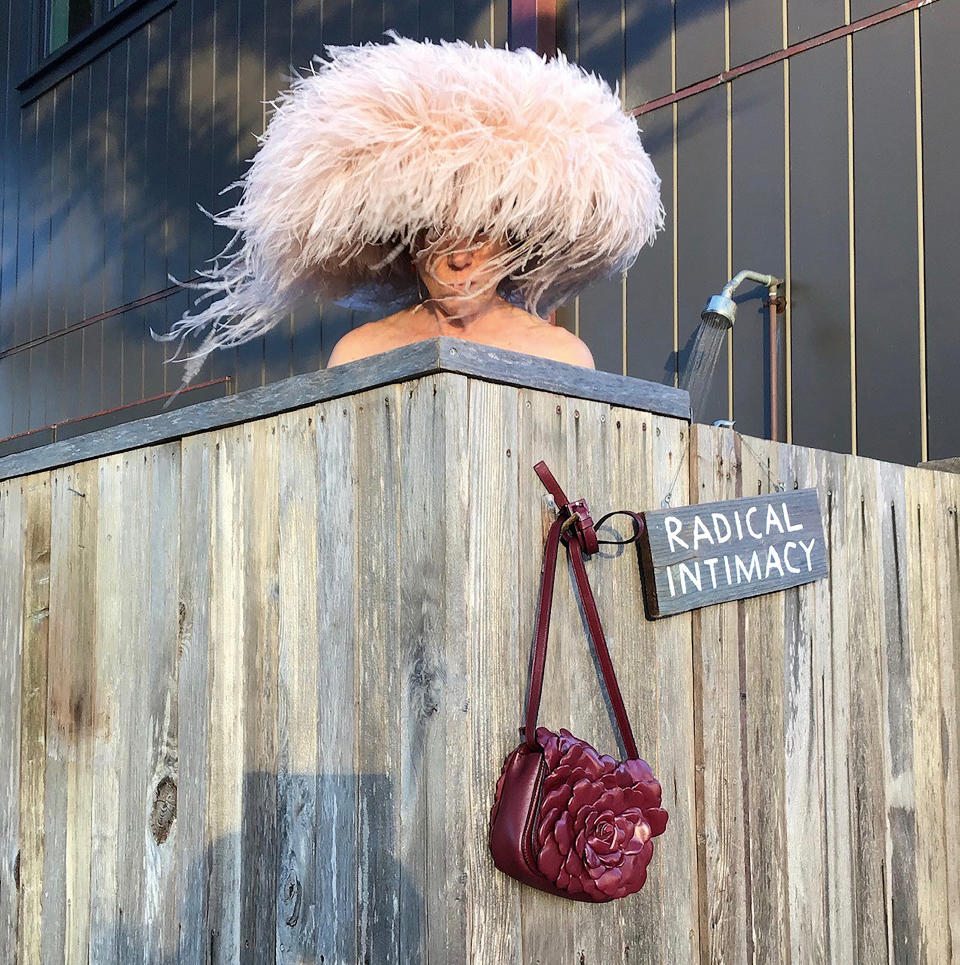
(566, 819)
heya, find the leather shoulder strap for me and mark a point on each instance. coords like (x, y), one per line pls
(541, 631)
(600, 648)
(573, 527)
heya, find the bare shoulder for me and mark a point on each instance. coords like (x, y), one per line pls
(369, 339)
(561, 345)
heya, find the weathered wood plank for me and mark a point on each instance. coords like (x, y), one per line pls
(715, 474)
(948, 499)
(160, 628)
(261, 591)
(495, 641)
(137, 698)
(542, 434)
(434, 672)
(378, 709)
(895, 647)
(925, 559)
(132, 904)
(423, 677)
(298, 695)
(193, 705)
(35, 630)
(833, 670)
(115, 692)
(607, 452)
(600, 930)
(12, 547)
(226, 735)
(762, 682)
(951, 464)
(334, 681)
(806, 628)
(570, 696)
(863, 751)
(666, 469)
(74, 714)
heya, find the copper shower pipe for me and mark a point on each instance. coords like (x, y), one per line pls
(774, 415)
(775, 305)
(533, 24)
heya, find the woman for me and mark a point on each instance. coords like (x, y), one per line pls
(462, 300)
(460, 190)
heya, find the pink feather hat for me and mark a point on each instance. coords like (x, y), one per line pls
(381, 142)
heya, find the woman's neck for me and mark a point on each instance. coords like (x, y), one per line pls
(452, 317)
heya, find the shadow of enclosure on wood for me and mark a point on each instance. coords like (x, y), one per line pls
(285, 883)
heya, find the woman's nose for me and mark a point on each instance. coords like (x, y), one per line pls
(459, 259)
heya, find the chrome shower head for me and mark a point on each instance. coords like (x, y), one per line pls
(724, 305)
(717, 319)
(721, 311)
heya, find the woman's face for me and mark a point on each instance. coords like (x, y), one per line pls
(459, 273)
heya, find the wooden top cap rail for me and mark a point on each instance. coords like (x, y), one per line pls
(401, 365)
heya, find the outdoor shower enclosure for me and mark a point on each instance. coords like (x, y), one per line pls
(263, 657)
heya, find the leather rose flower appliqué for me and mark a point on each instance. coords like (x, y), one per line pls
(597, 819)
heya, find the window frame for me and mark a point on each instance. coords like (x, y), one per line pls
(44, 71)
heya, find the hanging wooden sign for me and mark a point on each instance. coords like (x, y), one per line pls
(695, 556)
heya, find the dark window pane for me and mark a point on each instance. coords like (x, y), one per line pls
(67, 19)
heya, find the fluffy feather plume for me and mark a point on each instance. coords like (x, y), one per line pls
(380, 142)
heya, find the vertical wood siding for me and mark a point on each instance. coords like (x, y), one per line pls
(101, 177)
(159, 629)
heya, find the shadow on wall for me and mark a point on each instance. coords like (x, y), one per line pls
(136, 140)
(291, 885)
(594, 35)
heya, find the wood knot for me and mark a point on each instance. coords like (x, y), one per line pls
(294, 893)
(164, 810)
(426, 680)
(81, 712)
